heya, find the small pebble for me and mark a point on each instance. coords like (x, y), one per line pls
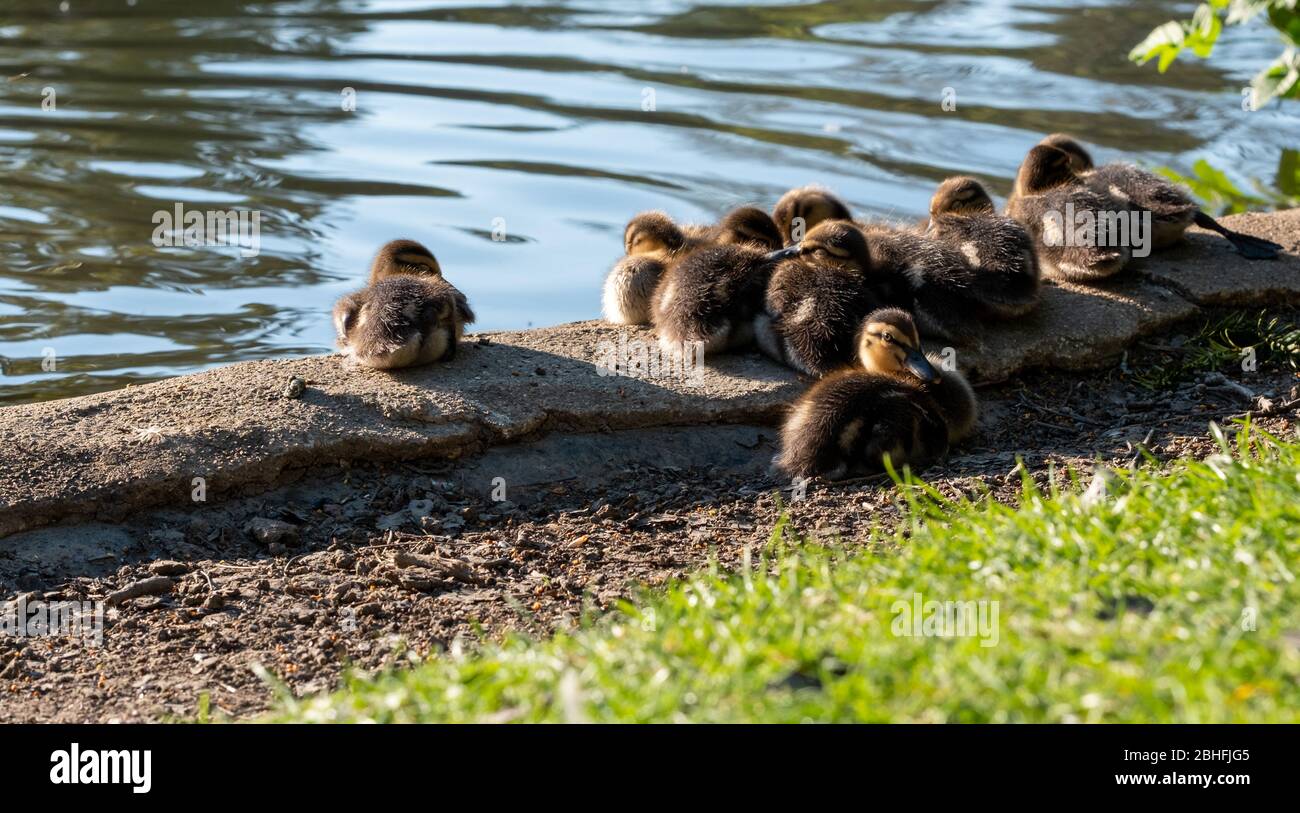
(295, 388)
(271, 531)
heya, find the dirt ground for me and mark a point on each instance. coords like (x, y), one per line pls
(377, 565)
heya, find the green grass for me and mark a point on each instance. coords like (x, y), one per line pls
(1133, 605)
(1218, 346)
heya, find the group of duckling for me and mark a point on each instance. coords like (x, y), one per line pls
(847, 301)
(838, 299)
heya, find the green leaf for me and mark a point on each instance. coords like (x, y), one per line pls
(1278, 80)
(1215, 178)
(1287, 22)
(1214, 188)
(1204, 31)
(1240, 11)
(1165, 42)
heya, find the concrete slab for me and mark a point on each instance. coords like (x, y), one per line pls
(593, 457)
(1075, 327)
(1205, 269)
(233, 429)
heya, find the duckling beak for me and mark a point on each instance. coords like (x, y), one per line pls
(921, 367)
(783, 253)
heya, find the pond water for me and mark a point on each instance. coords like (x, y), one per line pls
(515, 139)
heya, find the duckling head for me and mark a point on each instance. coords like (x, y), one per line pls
(806, 207)
(749, 225)
(1044, 167)
(889, 343)
(961, 196)
(835, 243)
(1080, 159)
(652, 233)
(404, 257)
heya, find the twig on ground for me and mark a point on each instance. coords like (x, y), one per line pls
(1222, 382)
(145, 587)
(456, 569)
(1141, 447)
(1269, 410)
(1060, 413)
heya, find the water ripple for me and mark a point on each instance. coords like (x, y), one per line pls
(515, 139)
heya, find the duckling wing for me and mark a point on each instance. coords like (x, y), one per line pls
(1171, 207)
(945, 289)
(1142, 190)
(816, 313)
(346, 311)
(905, 258)
(462, 307)
(450, 312)
(952, 401)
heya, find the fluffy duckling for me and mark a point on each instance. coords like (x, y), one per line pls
(1172, 209)
(712, 294)
(1045, 190)
(654, 242)
(800, 210)
(819, 293)
(407, 315)
(962, 216)
(901, 406)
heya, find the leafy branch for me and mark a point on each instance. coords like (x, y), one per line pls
(1279, 80)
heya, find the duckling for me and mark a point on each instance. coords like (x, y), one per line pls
(962, 216)
(1045, 190)
(1172, 209)
(899, 406)
(800, 210)
(407, 315)
(653, 242)
(819, 293)
(713, 293)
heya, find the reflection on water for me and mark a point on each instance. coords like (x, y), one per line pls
(522, 120)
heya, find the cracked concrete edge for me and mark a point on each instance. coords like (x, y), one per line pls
(101, 457)
(1205, 269)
